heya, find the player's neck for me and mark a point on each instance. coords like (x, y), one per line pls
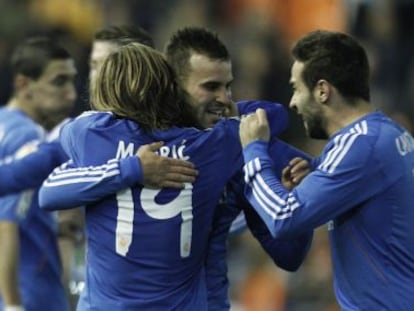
(345, 115)
(16, 103)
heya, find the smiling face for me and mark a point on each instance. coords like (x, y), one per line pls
(304, 103)
(208, 84)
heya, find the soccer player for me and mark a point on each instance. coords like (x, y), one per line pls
(142, 250)
(204, 69)
(44, 93)
(363, 184)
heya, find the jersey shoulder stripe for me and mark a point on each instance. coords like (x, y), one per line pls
(341, 145)
(66, 176)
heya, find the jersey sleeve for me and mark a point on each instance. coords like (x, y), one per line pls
(31, 170)
(69, 186)
(13, 204)
(281, 153)
(333, 188)
(287, 254)
(79, 182)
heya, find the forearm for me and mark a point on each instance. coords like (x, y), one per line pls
(9, 262)
(266, 194)
(70, 187)
(288, 254)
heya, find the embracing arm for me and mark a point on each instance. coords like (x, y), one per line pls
(31, 170)
(288, 254)
(69, 186)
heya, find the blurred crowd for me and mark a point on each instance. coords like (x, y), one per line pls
(259, 34)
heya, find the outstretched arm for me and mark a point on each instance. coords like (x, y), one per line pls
(332, 189)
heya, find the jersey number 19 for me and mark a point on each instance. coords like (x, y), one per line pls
(182, 204)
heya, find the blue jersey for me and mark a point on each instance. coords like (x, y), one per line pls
(287, 254)
(146, 248)
(39, 266)
(364, 183)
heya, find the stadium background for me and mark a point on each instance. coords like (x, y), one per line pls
(259, 34)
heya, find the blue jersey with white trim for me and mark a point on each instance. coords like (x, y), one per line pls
(39, 266)
(146, 248)
(287, 254)
(364, 183)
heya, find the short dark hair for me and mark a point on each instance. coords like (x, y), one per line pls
(337, 58)
(124, 34)
(32, 56)
(191, 40)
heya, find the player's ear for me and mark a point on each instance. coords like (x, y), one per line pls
(322, 91)
(23, 86)
(21, 82)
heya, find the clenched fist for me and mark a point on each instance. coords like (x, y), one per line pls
(254, 127)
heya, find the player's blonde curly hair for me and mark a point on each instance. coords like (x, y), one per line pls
(137, 83)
